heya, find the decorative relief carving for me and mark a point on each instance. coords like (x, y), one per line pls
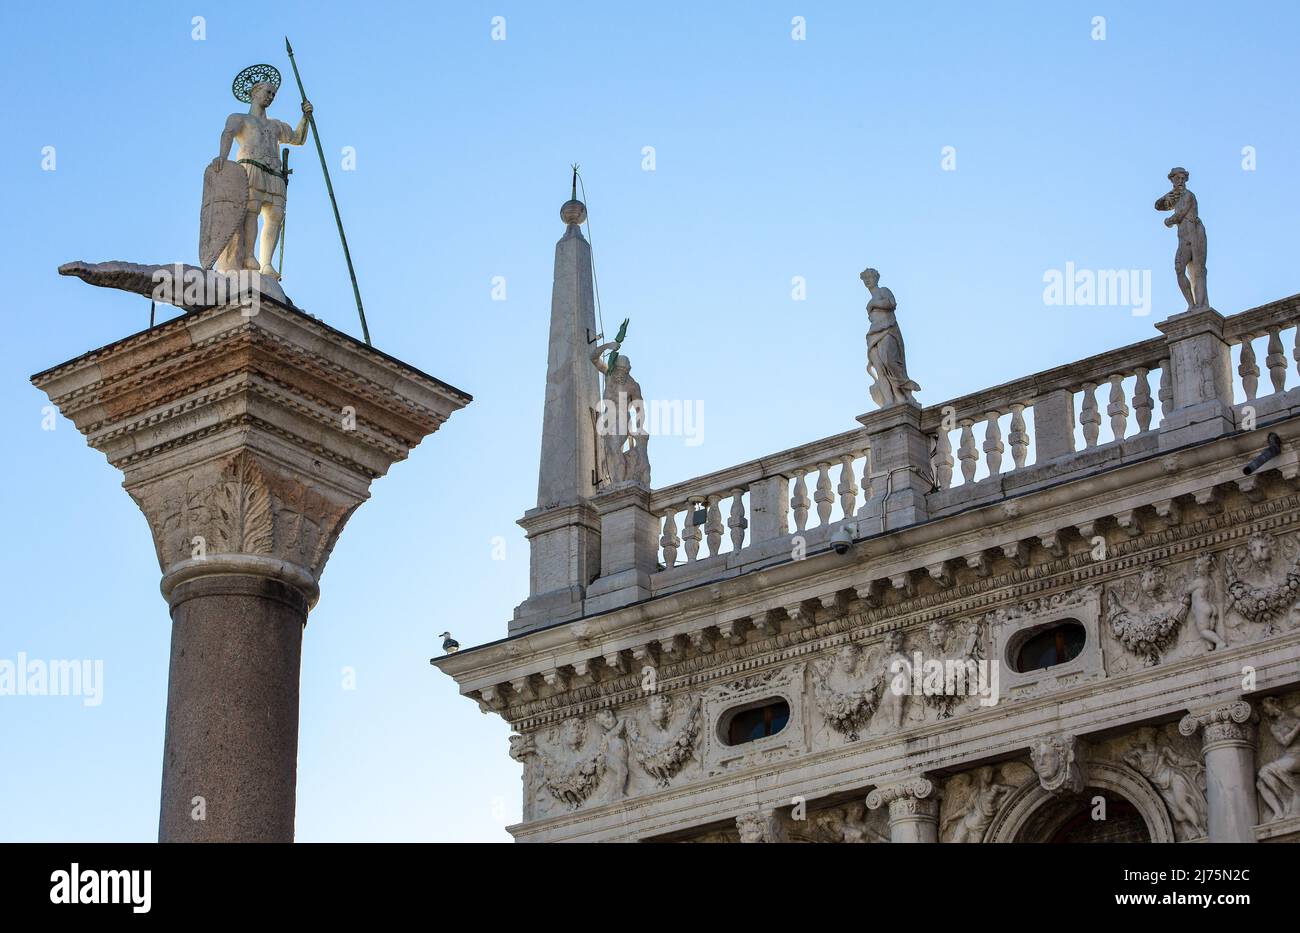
(851, 823)
(1258, 590)
(659, 752)
(786, 683)
(758, 827)
(1012, 625)
(1279, 777)
(970, 802)
(908, 798)
(845, 698)
(1057, 760)
(1144, 616)
(1177, 778)
(242, 506)
(574, 780)
(952, 644)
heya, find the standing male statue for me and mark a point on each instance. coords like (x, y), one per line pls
(235, 196)
(1190, 256)
(886, 361)
(620, 423)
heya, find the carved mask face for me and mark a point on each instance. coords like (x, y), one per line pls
(894, 642)
(1046, 758)
(938, 634)
(1261, 550)
(847, 657)
(660, 709)
(1150, 581)
(573, 732)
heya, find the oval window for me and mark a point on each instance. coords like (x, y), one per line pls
(1058, 643)
(754, 721)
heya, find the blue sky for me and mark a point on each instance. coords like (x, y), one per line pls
(774, 158)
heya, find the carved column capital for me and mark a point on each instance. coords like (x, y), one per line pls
(1224, 725)
(912, 798)
(247, 440)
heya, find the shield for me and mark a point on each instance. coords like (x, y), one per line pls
(225, 199)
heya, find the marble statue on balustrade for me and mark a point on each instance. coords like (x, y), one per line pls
(1189, 257)
(1179, 780)
(1279, 779)
(620, 422)
(886, 360)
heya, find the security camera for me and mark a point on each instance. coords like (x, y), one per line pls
(842, 539)
(1264, 456)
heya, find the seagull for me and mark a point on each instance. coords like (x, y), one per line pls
(449, 644)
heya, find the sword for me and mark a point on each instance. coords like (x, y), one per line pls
(311, 118)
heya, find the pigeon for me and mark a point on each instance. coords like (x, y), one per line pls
(449, 644)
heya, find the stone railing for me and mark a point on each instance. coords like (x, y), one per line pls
(823, 483)
(906, 464)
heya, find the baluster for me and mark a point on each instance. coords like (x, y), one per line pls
(737, 521)
(669, 541)
(1019, 437)
(1117, 409)
(799, 501)
(713, 526)
(1276, 360)
(1089, 416)
(1166, 391)
(1142, 403)
(967, 453)
(866, 475)
(691, 532)
(993, 445)
(848, 487)
(823, 496)
(943, 459)
(1249, 369)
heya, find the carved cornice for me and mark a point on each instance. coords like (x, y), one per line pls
(1059, 577)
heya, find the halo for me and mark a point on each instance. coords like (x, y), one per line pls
(242, 86)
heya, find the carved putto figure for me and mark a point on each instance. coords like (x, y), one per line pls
(1150, 623)
(1279, 779)
(886, 360)
(1263, 602)
(620, 423)
(892, 677)
(230, 230)
(1180, 781)
(846, 824)
(844, 697)
(958, 644)
(1200, 593)
(757, 827)
(974, 799)
(662, 757)
(1190, 255)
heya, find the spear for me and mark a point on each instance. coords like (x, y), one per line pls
(315, 134)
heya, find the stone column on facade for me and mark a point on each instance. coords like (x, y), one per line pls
(247, 434)
(1228, 736)
(1200, 378)
(629, 547)
(913, 809)
(900, 461)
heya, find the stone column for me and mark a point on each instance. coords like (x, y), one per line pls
(247, 434)
(1201, 378)
(913, 809)
(1228, 744)
(899, 449)
(629, 547)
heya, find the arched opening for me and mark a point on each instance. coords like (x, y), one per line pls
(1122, 822)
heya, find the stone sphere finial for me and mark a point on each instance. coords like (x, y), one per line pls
(573, 212)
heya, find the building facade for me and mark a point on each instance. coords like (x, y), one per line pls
(1057, 609)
